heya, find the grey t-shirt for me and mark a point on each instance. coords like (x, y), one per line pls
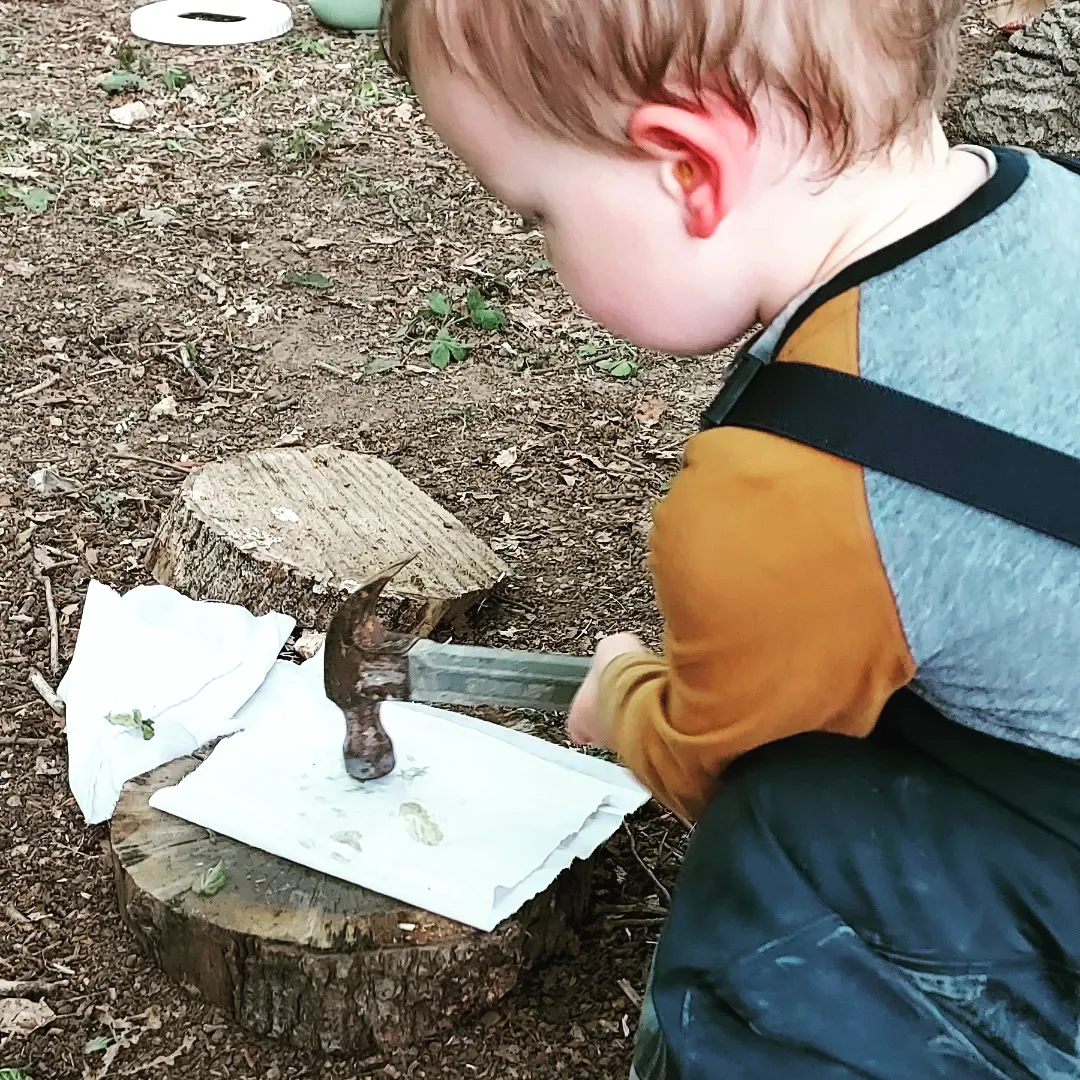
(982, 316)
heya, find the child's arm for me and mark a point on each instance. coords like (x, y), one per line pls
(779, 618)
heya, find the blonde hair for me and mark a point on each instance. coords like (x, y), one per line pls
(857, 74)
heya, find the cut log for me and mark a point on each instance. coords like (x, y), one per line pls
(296, 530)
(289, 952)
(1029, 94)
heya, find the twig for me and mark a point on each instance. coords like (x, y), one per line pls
(189, 367)
(54, 623)
(20, 740)
(31, 390)
(176, 466)
(632, 995)
(30, 987)
(13, 914)
(571, 365)
(48, 694)
(333, 369)
(648, 869)
(628, 909)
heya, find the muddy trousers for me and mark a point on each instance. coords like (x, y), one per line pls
(905, 907)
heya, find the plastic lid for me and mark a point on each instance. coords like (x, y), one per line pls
(211, 22)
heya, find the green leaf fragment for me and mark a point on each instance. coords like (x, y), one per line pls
(444, 348)
(14, 1074)
(309, 279)
(210, 882)
(175, 78)
(134, 721)
(482, 314)
(489, 318)
(96, 1045)
(618, 369)
(438, 304)
(117, 81)
(34, 199)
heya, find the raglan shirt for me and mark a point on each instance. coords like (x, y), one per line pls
(800, 591)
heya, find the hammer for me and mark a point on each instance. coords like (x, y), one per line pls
(365, 664)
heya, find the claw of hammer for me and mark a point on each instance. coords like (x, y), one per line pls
(364, 664)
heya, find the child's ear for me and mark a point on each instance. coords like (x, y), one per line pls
(706, 158)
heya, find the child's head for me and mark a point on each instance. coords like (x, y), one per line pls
(665, 146)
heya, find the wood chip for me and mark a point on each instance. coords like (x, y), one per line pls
(1010, 15)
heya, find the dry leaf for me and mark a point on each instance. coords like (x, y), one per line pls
(1010, 15)
(134, 112)
(46, 481)
(505, 458)
(165, 407)
(649, 410)
(20, 1016)
(20, 268)
(156, 216)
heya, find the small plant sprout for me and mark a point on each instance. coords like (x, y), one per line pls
(175, 78)
(308, 46)
(482, 314)
(445, 347)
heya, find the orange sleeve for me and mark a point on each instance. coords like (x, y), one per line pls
(778, 616)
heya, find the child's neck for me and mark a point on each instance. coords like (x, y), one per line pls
(866, 210)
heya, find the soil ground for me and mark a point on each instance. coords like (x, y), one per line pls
(249, 265)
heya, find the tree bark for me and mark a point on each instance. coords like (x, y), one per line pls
(1030, 93)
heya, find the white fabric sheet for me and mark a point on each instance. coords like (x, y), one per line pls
(474, 820)
(188, 666)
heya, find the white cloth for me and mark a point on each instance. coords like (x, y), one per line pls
(474, 820)
(189, 666)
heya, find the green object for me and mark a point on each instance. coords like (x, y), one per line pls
(210, 882)
(309, 279)
(347, 14)
(133, 721)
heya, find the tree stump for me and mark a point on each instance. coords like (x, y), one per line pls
(289, 952)
(1030, 93)
(295, 531)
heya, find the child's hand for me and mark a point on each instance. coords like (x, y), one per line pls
(586, 725)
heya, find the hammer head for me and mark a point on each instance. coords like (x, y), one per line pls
(364, 664)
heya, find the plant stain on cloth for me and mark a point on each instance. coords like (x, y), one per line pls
(419, 824)
(350, 838)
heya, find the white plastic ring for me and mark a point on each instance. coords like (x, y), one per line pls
(211, 22)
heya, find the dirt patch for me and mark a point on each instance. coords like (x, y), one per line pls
(263, 249)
